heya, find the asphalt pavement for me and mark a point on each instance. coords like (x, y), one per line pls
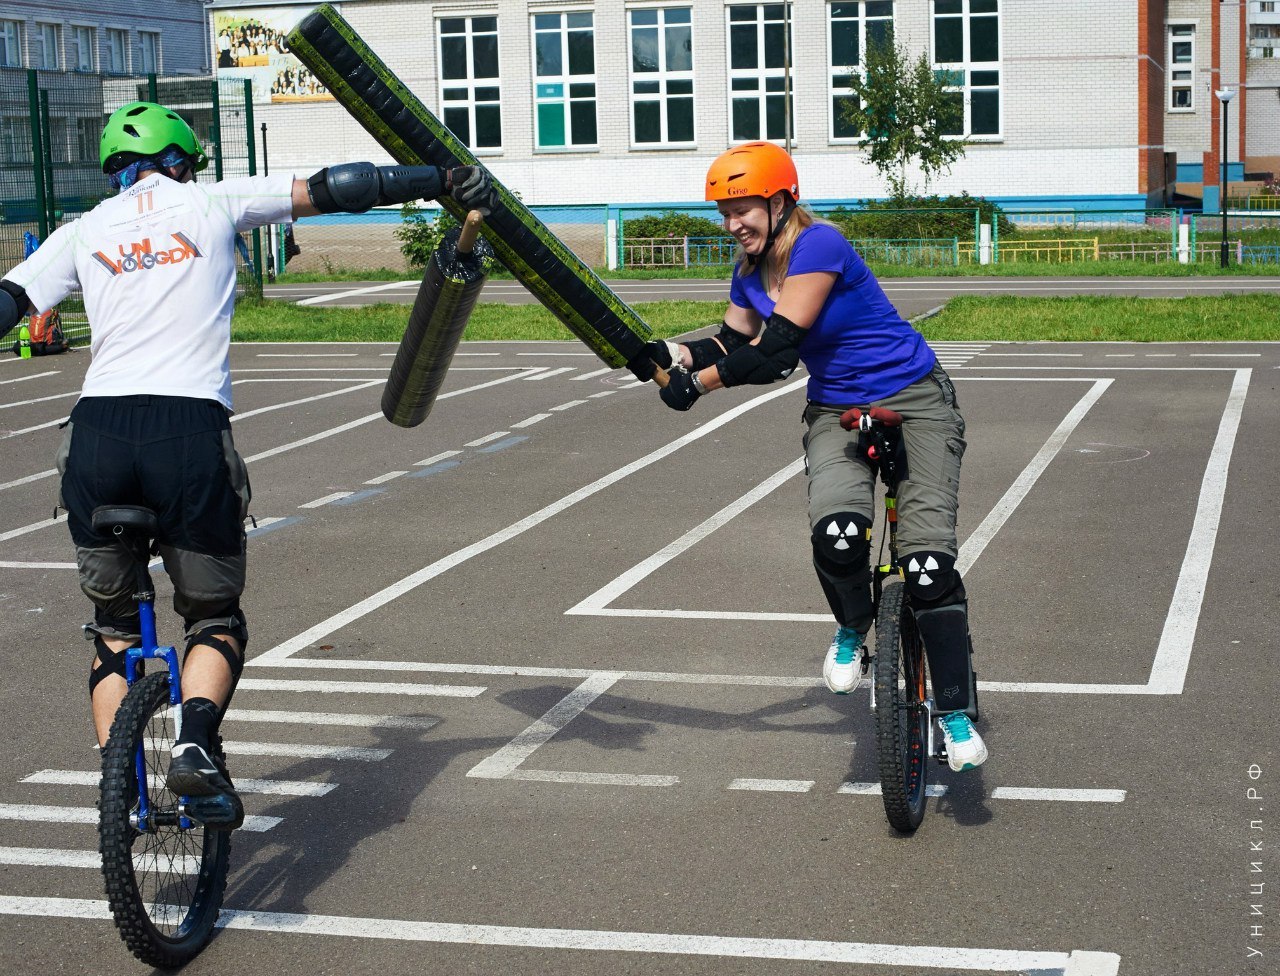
(535, 687)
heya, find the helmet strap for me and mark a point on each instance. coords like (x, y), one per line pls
(787, 210)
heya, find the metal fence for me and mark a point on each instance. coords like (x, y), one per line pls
(50, 127)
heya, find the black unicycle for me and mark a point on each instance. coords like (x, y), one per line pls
(165, 870)
(904, 713)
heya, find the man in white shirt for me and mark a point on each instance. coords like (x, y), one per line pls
(156, 264)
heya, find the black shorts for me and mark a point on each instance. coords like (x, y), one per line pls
(172, 454)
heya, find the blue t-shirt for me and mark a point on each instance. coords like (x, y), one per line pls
(859, 348)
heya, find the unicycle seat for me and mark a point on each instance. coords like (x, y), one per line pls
(134, 520)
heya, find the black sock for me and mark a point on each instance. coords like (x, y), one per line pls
(199, 722)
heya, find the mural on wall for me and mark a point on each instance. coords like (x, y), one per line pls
(250, 43)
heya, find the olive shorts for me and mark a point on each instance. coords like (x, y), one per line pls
(933, 434)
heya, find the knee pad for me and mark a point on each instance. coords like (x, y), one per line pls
(842, 558)
(842, 542)
(945, 632)
(931, 579)
(106, 663)
(236, 628)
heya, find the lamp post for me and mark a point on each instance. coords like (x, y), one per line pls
(1224, 96)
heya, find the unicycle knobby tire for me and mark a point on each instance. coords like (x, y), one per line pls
(164, 884)
(902, 720)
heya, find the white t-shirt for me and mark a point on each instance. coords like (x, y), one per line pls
(157, 267)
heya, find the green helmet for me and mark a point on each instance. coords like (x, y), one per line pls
(145, 129)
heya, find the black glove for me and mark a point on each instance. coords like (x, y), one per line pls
(679, 394)
(471, 187)
(656, 353)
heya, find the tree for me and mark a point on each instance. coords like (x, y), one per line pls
(906, 112)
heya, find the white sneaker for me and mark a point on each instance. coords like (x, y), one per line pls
(842, 669)
(965, 748)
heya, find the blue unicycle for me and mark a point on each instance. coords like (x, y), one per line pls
(165, 867)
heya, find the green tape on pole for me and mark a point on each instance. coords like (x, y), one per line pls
(367, 88)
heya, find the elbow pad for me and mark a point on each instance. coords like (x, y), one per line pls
(774, 357)
(355, 187)
(706, 352)
(13, 305)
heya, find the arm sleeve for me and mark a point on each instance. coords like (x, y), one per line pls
(49, 275)
(254, 201)
(738, 292)
(819, 248)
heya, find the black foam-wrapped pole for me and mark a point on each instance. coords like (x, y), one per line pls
(449, 291)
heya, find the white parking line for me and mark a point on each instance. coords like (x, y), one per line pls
(773, 785)
(352, 720)
(48, 857)
(873, 789)
(1068, 796)
(21, 565)
(309, 355)
(496, 435)
(311, 399)
(327, 499)
(290, 750)
(273, 787)
(434, 458)
(360, 687)
(602, 393)
(589, 779)
(388, 286)
(550, 372)
(384, 478)
(1074, 963)
(529, 422)
(503, 763)
(44, 523)
(43, 399)
(592, 375)
(33, 376)
(563, 406)
(29, 478)
(41, 813)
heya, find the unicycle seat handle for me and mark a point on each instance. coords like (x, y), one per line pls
(126, 520)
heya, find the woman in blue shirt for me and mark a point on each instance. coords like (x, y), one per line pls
(802, 294)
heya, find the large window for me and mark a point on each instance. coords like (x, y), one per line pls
(564, 51)
(758, 63)
(661, 76)
(82, 53)
(46, 53)
(470, 96)
(149, 48)
(117, 48)
(11, 43)
(853, 27)
(966, 54)
(1182, 67)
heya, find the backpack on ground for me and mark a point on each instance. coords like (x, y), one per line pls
(47, 337)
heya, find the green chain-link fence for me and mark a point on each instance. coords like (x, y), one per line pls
(50, 126)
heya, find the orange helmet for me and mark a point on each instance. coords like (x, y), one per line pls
(753, 169)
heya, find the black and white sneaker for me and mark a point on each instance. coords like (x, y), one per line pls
(204, 780)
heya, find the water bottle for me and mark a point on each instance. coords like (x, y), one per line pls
(24, 342)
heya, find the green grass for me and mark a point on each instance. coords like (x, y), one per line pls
(975, 318)
(1091, 319)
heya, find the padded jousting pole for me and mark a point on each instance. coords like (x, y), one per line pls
(367, 88)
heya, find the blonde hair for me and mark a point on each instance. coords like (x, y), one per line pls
(780, 253)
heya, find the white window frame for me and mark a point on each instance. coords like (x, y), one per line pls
(471, 83)
(664, 77)
(835, 72)
(46, 32)
(151, 64)
(566, 80)
(968, 66)
(15, 140)
(1177, 83)
(117, 42)
(760, 73)
(80, 33)
(11, 30)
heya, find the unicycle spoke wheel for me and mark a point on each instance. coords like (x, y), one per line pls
(164, 880)
(902, 717)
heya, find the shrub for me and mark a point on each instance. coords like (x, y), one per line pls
(672, 223)
(915, 218)
(421, 231)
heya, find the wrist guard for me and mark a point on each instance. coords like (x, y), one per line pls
(774, 357)
(355, 187)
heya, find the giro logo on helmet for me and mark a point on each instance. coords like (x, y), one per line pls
(140, 256)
